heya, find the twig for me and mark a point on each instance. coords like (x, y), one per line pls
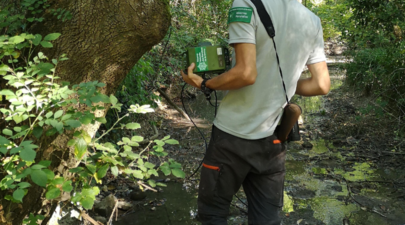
(88, 218)
(85, 216)
(361, 205)
(112, 213)
(146, 186)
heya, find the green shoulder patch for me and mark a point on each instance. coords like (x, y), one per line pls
(240, 14)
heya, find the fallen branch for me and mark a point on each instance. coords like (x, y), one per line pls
(88, 218)
(361, 205)
(112, 213)
(173, 104)
(85, 216)
(146, 186)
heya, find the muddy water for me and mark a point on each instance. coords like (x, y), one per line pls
(318, 188)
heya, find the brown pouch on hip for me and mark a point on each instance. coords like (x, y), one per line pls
(288, 128)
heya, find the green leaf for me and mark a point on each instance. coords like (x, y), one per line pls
(52, 193)
(45, 163)
(137, 174)
(46, 44)
(75, 170)
(102, 171)
(73, 123)
(45, 68)
(51, 37)
(4, 141)
(37, 40)
(175, 165)
(16, 39)
(113, 100)
(24, 185)
(80, 148)
(133, 126)
(65, 117)
(39, 177)
(59, 180)
(67, 186)
(7, 92)
(165, 138)
(7, 132)
(100, 85)
(178, 173)
(137, 138)
(19, 194)
(49, 174)
(87, 202)
(159, 142)
(153, 172)
(85, 120)
(152, 183)
(71, 142)
(158, 148)
(51, 132)
(37, 167)
(172, 142)
(58, 114)
(92, 168)
(49, 114)
(161, 184)
(101, 120)
(37, 132)
(114, 170)
(165, 169)
(149, 165)
(28, 154)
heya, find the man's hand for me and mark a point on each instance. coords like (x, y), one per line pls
(191, 78)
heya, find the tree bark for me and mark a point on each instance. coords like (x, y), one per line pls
(103, 41)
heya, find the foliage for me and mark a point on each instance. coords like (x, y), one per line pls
(39, 107)
(375, 39)
(333, 14)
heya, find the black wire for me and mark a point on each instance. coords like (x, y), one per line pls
(202, 135)
(241, 200)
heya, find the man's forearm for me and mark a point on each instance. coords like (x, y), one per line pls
(307, 87)
(235, 78)
(317, 84)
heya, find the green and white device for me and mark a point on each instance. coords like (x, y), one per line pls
(208, 59)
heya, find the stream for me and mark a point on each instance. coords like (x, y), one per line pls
(323, 184)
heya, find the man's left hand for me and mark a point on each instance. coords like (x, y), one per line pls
(191, 78)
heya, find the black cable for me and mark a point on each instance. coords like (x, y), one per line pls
(241, 200)
(202, 135)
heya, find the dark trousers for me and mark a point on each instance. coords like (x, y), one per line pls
(230, 162)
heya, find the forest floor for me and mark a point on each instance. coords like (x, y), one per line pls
(348, 167)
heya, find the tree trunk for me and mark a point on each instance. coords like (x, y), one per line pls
(103, 41)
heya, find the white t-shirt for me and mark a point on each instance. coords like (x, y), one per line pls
(252, 112)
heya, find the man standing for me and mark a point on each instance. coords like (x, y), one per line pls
(243, 149)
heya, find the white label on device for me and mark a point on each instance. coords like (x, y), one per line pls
(219, 51)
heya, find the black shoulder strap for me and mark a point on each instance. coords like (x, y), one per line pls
(268, 25)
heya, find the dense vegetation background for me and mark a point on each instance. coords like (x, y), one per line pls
(372, 32)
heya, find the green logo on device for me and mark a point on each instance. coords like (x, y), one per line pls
(201, 56)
